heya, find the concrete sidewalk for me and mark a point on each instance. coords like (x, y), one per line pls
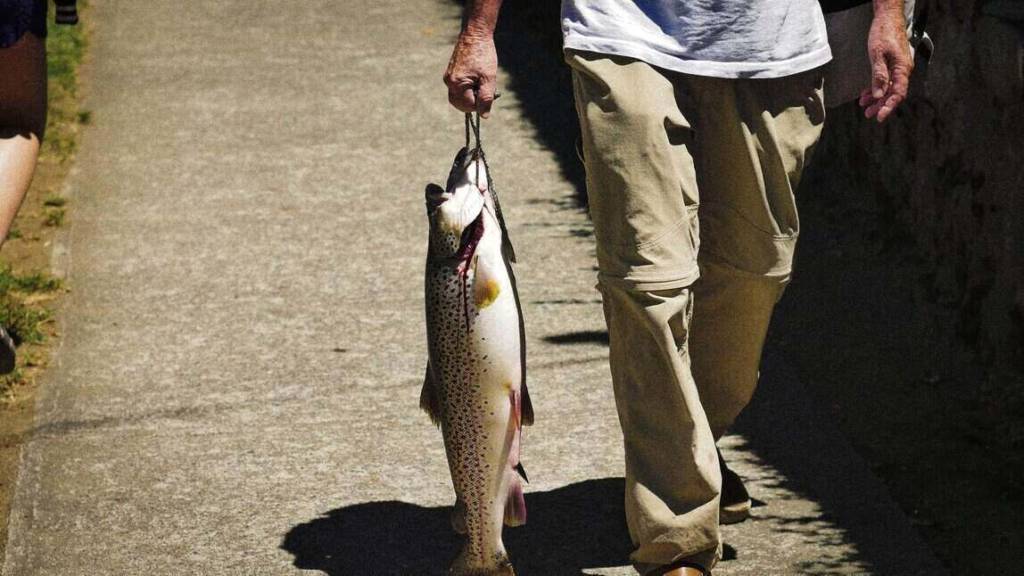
(243, 344)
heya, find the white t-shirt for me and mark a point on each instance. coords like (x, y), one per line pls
(721, 38)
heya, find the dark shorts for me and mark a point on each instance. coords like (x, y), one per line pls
(20, 16)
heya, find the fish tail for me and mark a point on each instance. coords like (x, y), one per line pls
(499, 565)
(515, 505)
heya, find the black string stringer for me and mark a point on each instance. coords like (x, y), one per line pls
(477, 152)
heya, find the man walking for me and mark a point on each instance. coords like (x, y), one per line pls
(698, 118)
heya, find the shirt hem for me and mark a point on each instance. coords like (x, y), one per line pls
(754, 70)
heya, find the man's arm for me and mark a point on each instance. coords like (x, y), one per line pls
(474, 62)
(891, 62)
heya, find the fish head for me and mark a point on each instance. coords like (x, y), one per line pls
(455, 212)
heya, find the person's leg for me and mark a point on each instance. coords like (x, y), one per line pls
(756, 136)
(22, 121)
(642, 190)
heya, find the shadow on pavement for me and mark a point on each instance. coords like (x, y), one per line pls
(782, 430)
(581, 337)
(847, 530)
(569, 529)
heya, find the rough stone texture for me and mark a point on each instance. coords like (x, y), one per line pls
(237, 391)
(949, 171)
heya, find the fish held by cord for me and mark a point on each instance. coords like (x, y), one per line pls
(475, 386)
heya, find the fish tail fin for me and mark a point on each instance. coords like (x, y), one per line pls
(515, 505)
(465, 565)
(428, 398)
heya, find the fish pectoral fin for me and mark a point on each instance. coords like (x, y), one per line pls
(428, 397)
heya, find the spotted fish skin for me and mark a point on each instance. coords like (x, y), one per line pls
(475, 382)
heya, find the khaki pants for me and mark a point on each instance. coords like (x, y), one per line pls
(675, 162)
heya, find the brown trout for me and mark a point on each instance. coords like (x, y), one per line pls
(475, 386)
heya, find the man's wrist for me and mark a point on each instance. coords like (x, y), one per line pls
(482, 18)
(888, 8)
(477, 32)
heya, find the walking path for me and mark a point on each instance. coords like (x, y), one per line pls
(243, 345)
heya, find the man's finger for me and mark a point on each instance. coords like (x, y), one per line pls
(889, 106)
(461, 97)
(900, 81)
(879, 75)
(468, 99)
(872, 110)
(865, 97)
(485, 98)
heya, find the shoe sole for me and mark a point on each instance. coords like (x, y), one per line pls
(734, 513)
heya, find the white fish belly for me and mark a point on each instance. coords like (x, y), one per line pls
(476, 366)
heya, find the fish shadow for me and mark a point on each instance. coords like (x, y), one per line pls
(569, 529)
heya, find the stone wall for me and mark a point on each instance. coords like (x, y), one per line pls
(949, 170)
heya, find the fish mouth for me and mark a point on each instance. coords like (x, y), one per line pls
(463, 160)
(434, 195)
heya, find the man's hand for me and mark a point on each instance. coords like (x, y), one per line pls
(473, 66)
(474, 63)
(891, 62)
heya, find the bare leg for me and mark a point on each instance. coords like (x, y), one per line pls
(22, 121)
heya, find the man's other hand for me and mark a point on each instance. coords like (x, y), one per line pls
(891, 63)
(473, 66)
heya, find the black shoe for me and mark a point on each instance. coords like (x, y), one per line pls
(735, 502)
(7, 358)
